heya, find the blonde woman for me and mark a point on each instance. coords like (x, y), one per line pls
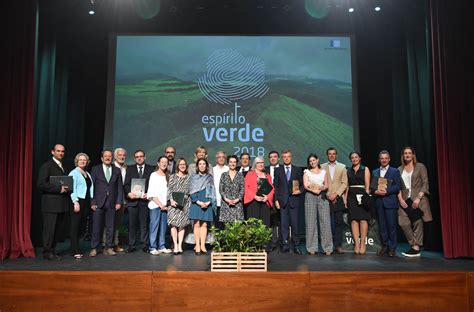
(82, 192)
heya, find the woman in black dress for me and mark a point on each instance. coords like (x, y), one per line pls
(359, 186)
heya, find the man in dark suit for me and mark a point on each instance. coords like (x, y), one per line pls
(386, 204)
(108, 197)
(170, 153)
(138, 205)
(288, 200)
(244, 163)
(54, 200)
(275, 217)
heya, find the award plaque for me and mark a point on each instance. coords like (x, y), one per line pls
(313, 187)
(138, 187)
(295, 186)
(379, 183)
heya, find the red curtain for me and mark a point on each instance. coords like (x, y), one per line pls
(16, 136)
(453, 100)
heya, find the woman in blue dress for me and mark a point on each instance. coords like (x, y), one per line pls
(203, 203)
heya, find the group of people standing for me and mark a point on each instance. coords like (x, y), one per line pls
(182, 196)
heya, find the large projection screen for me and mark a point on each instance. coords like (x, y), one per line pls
(233, 93)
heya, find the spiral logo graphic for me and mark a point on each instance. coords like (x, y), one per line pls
(231, 77)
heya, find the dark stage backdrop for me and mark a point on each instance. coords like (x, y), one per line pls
(393, 63)
(453, 67)
(16, 135)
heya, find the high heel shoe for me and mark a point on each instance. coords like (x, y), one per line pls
(356, 249)
(363, 249)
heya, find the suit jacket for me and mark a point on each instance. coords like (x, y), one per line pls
(390, 200)
(132, 173)
(80, 186)
(52, 200)
(104, 190)
(419, 183)
(283, 188)
(337, 184)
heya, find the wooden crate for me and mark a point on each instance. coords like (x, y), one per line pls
(239, 261)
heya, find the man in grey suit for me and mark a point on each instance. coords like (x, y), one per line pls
(108, 197)
(54, 200)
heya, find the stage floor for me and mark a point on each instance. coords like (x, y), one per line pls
(277, 262)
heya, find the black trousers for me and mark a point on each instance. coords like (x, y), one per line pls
(138, 216)
(107, 212)
(52, 224)
(275, 222)
(259, 210)
(77, 219)
(337, 225)
(289, 216)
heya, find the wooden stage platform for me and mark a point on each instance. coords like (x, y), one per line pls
(207, 291)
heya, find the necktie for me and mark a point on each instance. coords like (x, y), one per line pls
(107, 174)
(288, 173)
(140, 171)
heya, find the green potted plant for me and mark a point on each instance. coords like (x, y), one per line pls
(240, 246)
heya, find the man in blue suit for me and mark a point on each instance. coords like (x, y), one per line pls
(288, 200)
(108, 197)
(386, 204)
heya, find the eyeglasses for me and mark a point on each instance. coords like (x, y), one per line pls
(169, 152)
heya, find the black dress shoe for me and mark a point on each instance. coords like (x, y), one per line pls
(145, 249)
(297, 251)
(391, 253)
(52, 257)
(131, 249)
(382, 251)
(285, 249)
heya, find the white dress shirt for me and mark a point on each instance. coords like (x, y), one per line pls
(243, 169)
(406, 176)
(58, 163)
(332, 168)
(123, 169)
(272, 171)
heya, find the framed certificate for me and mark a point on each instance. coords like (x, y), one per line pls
(62, 181)
(138, 187)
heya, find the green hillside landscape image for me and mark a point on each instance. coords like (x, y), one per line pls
(301, 115)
